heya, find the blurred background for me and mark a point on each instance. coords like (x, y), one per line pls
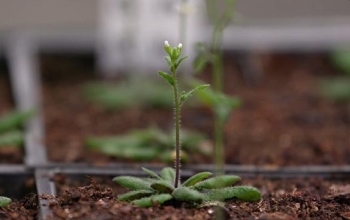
(286, 61)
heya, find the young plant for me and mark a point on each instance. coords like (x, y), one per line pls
(149, 144)
(10, 124)
(198, 190)
(220, 16)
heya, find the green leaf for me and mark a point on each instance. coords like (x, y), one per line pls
(185, 95)
(168, 60)
(14, 120)
(132, 183)
(187, 195)
(217, 182)
(151, 173)
(152, 200)
(4, 201)
(200, 62)
(180, 61)
(168, 174)
(244, 193)
(196, 178)
(137, 194)
(167, 77)
(162, 186)
(12, 138)
(341, 59)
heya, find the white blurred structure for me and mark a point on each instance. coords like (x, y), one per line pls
(132, 32)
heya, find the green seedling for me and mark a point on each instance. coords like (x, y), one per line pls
(220, 14)
(196, 191)
(10, 135)
(4, 201)
(337, 89)
(341, 60)
(128, 93)
(14, 120)
(148, 144)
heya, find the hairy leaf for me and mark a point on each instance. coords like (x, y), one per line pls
(244, 193)
(132, 183)
(162, 186)
(185, 95)
(167, 77)
(217, 182)
(152, 200)
(137, 194)
(180, 61)
(4, 201)
(151, 173)
(168, 174)
(196, 178)
(187, 195)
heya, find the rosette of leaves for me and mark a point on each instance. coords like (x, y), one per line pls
(10, 128)
(197, 191)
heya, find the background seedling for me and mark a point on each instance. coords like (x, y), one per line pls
(128, 94)
(149, 144)
(10, 125)
(220, 14)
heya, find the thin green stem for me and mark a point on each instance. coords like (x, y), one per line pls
(177, 132)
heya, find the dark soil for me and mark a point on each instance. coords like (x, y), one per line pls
(285, 199)
(21, 190)
(8, 154)
(283, 120)
(23, 209)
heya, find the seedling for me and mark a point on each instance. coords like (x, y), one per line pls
(10, 125)
(149, 144)
(220, 17)
(197, 190)
(128, 94)
(4, 201)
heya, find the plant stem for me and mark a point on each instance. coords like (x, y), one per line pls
(218, 123)
(177, 132)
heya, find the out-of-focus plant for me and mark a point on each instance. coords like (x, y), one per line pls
(10, 128)
(129, 93)
(150, 144)
(220, 14)
(337, 89)
(4, 201)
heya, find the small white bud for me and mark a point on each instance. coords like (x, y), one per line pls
(180, 45)
(166, 43)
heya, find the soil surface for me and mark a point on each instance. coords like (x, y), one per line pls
(286, 199)
(283, 119)
(8, 154)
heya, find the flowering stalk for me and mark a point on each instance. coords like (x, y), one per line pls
(174, 60)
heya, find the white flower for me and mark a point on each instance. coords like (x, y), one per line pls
(180, 45)
(166, 43)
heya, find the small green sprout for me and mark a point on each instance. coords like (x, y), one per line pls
(4, 201)
(197, 191)
(10, 125)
